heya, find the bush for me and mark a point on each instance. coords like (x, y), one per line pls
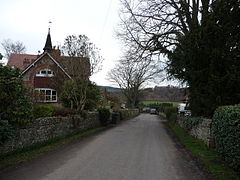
(42, 111)
(154, 105)
(93, 97)
(84, 114)
(163, 106)
(190, 122)
(75, 91)
(226, 129)
(104, 116)
(171, 113)
(15, 104)
(59, 111)
(6, 131)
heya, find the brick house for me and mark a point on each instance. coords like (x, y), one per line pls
(46, 73)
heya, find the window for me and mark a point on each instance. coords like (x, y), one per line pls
(46, 95)
(45, 73)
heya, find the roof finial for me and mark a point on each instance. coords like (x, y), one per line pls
(49, 26)
(48, 45)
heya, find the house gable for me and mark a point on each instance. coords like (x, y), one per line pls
(42, 60)
(47, 72)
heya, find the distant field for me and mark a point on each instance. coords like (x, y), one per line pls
(152, 102)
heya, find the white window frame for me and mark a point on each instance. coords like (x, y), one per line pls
(51, 95)
(47, 74)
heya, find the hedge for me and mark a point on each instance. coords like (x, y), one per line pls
(42, 111)
(171, 113)
(104, 116)
(226, 129)
(6, 131)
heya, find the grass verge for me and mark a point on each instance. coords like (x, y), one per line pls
(207, 157)
(34, 151)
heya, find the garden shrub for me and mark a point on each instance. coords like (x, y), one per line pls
(163, 106)
(43, 111)
(226, 130)
(15, 104)
(104, 115)
(154, 105)
(6, 131)
(190, 122)
(84, 114)
(60, 111)
(171, 113)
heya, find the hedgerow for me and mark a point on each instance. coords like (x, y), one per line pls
(226, 129)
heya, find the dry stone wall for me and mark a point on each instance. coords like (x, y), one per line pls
(43, 129)
(202, 131)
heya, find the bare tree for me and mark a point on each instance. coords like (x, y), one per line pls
(131, 74)
(11, 47)
(82, 54)
(80, 46)
(155, 25)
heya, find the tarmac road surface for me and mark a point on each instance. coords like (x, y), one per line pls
(137, 149)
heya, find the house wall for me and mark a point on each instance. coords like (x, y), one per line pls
(55, 82)
(43, 63)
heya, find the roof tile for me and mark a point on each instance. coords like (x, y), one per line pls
(21, 60)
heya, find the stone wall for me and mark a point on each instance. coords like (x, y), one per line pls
(128, 113)
(43, 129)
(202, 131)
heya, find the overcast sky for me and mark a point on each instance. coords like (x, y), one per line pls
(27, 21)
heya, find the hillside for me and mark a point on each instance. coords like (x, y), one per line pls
(164, 93)
(158, 93)
(110, 89)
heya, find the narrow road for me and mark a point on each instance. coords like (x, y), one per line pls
(137, 149)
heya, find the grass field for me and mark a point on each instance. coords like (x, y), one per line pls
(159, 102)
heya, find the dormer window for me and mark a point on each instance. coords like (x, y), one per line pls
(45, 73)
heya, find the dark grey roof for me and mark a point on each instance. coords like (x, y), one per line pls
(48, 44)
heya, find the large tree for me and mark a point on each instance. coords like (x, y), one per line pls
(81, 46)
(131, 74)
(207, 58)
(12, 47)
(78, 47)
(200, 39)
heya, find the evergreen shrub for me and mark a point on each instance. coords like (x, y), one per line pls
(171, 113)
(60, 111)
(104, 115)
(226, 130)
(42, 111)
(6, 131)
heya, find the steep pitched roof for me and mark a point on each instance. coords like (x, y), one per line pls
(48, 44)
(21, 61)
(71, 66)
(55, 61)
